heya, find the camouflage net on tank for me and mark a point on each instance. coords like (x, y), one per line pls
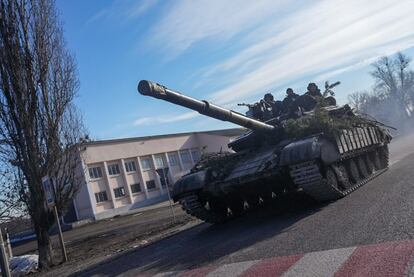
(217, 163)
(320, 121)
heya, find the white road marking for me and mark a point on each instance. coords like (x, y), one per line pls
(410, 270)
(323, 263)
(394, 162)
(167, 274)
(230, 270)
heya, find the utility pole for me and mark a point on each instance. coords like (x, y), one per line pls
(163, 173)
(4, 261)
(50, 202)
(61, 241)
(8, 243)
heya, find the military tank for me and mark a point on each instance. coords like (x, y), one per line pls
(327, 152)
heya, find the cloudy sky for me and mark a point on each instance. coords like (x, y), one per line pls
(223, 51)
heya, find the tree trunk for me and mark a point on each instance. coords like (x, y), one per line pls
(44, 245)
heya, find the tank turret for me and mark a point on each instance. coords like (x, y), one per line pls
(204, 107)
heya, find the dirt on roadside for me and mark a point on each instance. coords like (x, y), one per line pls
(92, 244)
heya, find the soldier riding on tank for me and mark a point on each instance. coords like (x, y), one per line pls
(268, 104)
(265, 109)
(272, 107)
(309, 100)
(313, 96)
(313, 90)
(291, 97)
(255, 110)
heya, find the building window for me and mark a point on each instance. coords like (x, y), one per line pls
(119, 192)
(185, 157)
(135, 188)
(146, 163)
(173, 159)
(130, 166)
(95, 172)
(150, 184)
(196, 154)
(101, 196)
(113, 169)
(159, 161)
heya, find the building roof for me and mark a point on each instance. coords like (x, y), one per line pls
(233, 132)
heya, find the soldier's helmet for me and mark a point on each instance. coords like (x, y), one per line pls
(268, 97)
(312, 86)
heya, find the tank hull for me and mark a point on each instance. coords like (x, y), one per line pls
(316, 147)
(325, 168)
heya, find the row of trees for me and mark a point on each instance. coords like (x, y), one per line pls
(391, 99)
(40, 128)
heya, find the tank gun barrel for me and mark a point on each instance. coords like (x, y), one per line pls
(155, 90)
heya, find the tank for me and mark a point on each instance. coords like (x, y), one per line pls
(323, 150)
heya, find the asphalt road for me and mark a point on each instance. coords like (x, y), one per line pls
(380, 211)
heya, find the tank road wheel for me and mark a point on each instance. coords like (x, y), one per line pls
(253, 203)
(363, 171)
(212, 211)
(353, 172)
(218, 210)
(267, 197)
(236, 207)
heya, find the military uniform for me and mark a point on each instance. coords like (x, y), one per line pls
(313, 90)
(271, 108)
(289, 100)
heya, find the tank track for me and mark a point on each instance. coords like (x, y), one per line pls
(308, 176)
(193, 206)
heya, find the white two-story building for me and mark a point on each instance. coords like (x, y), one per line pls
(120, 175)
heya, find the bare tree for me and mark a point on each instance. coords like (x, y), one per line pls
(39, 124)
(394, 78)
(67, 171)
(358, 100)
(10, 202)
(392, 97)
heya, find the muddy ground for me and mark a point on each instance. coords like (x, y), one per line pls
(98, 241)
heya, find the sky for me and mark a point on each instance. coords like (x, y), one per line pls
(226, 52)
